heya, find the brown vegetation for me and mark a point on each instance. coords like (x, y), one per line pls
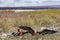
(10, 21)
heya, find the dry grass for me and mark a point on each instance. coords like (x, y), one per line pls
(10, 21)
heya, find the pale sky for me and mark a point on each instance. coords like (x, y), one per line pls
(19, 3)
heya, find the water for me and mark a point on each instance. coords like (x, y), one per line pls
(21, 8)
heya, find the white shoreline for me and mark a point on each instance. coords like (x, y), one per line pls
(22, 10)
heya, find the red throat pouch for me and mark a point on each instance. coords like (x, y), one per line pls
(21, 32)
(35, 32)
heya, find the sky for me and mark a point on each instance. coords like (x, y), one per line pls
(19, 3)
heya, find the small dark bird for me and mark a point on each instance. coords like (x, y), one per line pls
(29, 29)
(47, 31)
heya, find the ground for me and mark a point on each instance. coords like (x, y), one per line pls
(10, 21)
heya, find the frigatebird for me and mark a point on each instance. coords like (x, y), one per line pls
(29, 29)
(43, 32)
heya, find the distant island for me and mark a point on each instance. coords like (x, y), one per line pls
(31, 7)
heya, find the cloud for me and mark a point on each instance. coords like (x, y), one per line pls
(55, 0)
(11, 3)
